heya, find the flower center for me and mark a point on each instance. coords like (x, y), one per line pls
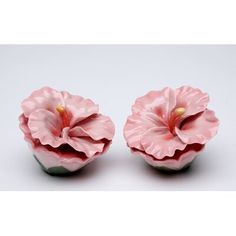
(180, 111)
(175, 118)
(63, 114)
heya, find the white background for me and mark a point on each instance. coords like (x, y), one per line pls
(114, 76)
(118, 213)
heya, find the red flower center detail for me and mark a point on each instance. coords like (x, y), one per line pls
(64, 115)
(175, 118)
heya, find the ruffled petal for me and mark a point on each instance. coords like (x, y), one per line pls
(137, 125)
(97, 127)
(160, 103)
(44, 98)
(193, 100)
(25, 129)
(53, 158)
(161, 143)
(45, 126)
(23, 124)
(180, 160)
(199, 128)
(79, 107)
(48, 99)
(86, 145)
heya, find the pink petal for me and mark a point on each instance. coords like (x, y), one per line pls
(48, 99)
(97, 127)
(199, 128)
(25, 129)
(44, 98)
(46, 126)
(79, 107)
(185, 157)
(161, 143)
(158, 102)
(23, 124)
(86, 145)
(51, 159)
(193, 100)
(137, 125)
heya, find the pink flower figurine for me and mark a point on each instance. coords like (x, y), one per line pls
(65, 132)
(169, 128)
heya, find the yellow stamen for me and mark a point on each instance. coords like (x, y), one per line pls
(63, 114)
(60, 108)
(180, 111)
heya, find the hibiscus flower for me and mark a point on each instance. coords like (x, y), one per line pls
(169, 128)
(65, 132)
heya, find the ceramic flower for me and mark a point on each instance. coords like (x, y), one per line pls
(169, 128)
(65, 132)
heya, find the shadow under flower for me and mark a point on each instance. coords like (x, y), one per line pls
(165, 172)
